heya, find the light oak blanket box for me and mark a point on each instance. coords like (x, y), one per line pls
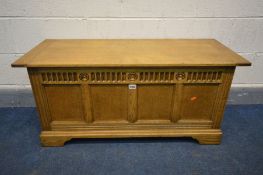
(130, 88)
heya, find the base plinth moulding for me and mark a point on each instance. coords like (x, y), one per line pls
(203, 136)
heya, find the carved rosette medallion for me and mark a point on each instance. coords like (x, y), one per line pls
(84, 77)
(180, 76)
(132, 76)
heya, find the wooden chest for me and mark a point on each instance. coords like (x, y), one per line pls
(130, 88)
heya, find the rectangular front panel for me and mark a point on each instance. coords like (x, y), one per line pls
(109, 102)
(198, 101)
(96, 98)
(155, 102)
(65, 102)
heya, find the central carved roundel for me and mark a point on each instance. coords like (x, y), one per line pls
(83, 76)
(132, 76)
(180, 76)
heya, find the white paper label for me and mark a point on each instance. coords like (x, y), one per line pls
(132, 86)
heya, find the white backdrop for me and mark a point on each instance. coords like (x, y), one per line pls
(236, 23)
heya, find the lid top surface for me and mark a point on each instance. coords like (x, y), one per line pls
(130, 53)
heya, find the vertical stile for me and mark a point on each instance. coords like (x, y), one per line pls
(103, 76)
(68, 79)
(123, 76)
(108, 76)
(205, 76)
(95, 76)
(75, 76)
(43, 77)
(53, 76)
(111, 76)
(65, 76)
(172, 76)
(59, 76)
(220, 76)
(56, 75)
(192, 76)
(119, 76)
(209, 76)
(216, 76)
(70, 76)
(146, 76)
(154, 76)
(199, 76)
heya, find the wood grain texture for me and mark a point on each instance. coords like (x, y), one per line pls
(154, 102)
(221, 99)
(175, 113)
(64, 102)
(109, 103)
(132, 105)
(58, 138)
(40, 99)
(130, 53)
(86, 103)
(200, 99)
(118, 101)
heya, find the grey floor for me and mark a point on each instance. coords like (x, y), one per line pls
(241, 151)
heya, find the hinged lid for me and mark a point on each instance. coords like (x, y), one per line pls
(130, 53)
